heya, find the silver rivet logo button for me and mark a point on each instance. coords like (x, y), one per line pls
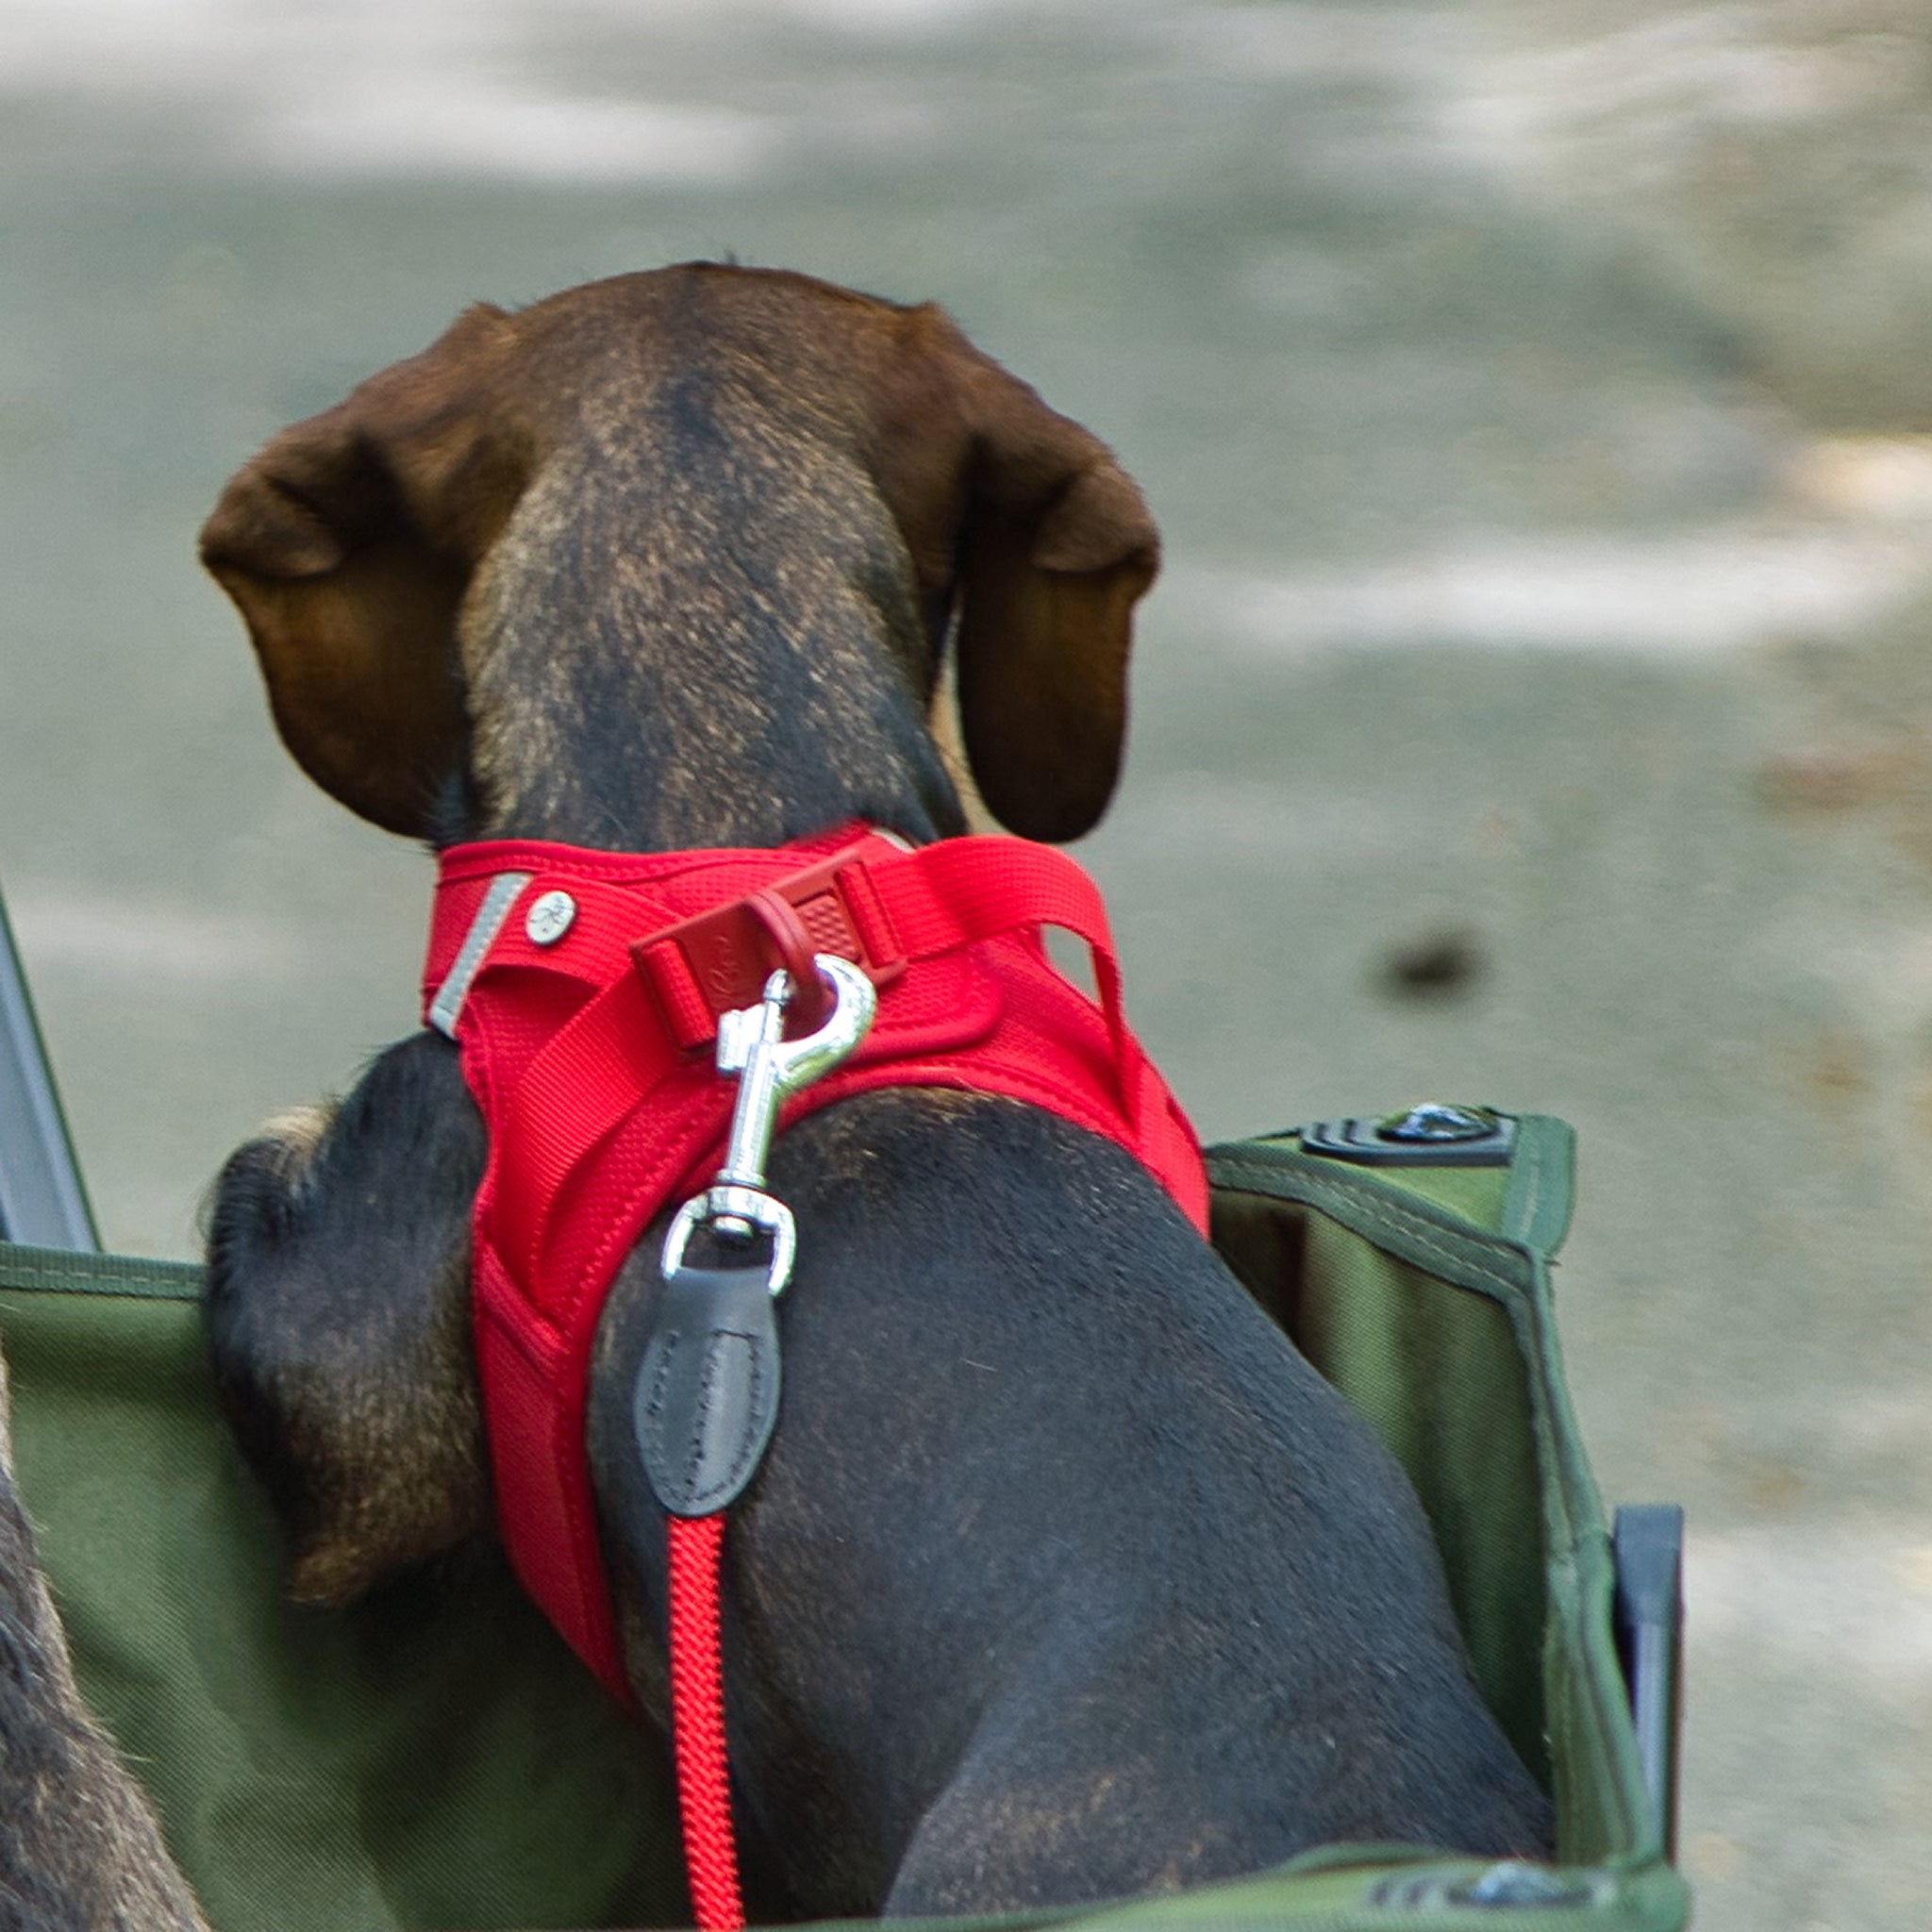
(549, 918)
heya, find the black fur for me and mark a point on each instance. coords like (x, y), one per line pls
(1105, 1588)
(356, 1308)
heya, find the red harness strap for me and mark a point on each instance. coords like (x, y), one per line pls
(583, 989)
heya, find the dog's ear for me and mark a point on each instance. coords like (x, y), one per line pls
(347, 543)
(1051, 546)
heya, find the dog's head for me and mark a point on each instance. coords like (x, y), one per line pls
(574, 539)
(652, 468)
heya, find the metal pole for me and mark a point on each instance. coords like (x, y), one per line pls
(42, 1202)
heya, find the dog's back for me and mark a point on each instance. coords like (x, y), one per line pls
(1067, 1577)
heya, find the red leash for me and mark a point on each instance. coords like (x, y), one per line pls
(707, 1390)
(697, 1723)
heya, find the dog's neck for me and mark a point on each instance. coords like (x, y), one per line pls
(652, 619)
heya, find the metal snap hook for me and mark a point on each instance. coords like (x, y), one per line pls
(770, 1070)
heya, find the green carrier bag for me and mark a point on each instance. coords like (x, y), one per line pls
(435, 1759)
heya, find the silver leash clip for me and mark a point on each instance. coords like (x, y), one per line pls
(770, 1070)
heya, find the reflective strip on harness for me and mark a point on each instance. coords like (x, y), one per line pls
(590, 1061)
(446, 1009)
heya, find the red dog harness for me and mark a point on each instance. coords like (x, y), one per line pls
(584, 990)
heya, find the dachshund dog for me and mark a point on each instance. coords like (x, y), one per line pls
(1065, 1577)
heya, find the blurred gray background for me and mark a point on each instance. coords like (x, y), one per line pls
(1536, 708)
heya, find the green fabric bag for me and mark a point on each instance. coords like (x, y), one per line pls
(435, 1757)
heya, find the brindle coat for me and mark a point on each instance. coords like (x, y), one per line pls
(1066, 1577)
(79, 1848)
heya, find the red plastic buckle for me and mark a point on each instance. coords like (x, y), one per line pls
(725, 956)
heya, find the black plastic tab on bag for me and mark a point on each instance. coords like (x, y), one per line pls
(1430, 1135)
(706, 1394)
(1647, 1546)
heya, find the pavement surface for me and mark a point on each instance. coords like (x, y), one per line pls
(1536, 708)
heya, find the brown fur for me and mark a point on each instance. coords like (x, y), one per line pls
(425, 503)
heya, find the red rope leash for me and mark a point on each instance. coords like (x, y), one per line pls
(697, 1721)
